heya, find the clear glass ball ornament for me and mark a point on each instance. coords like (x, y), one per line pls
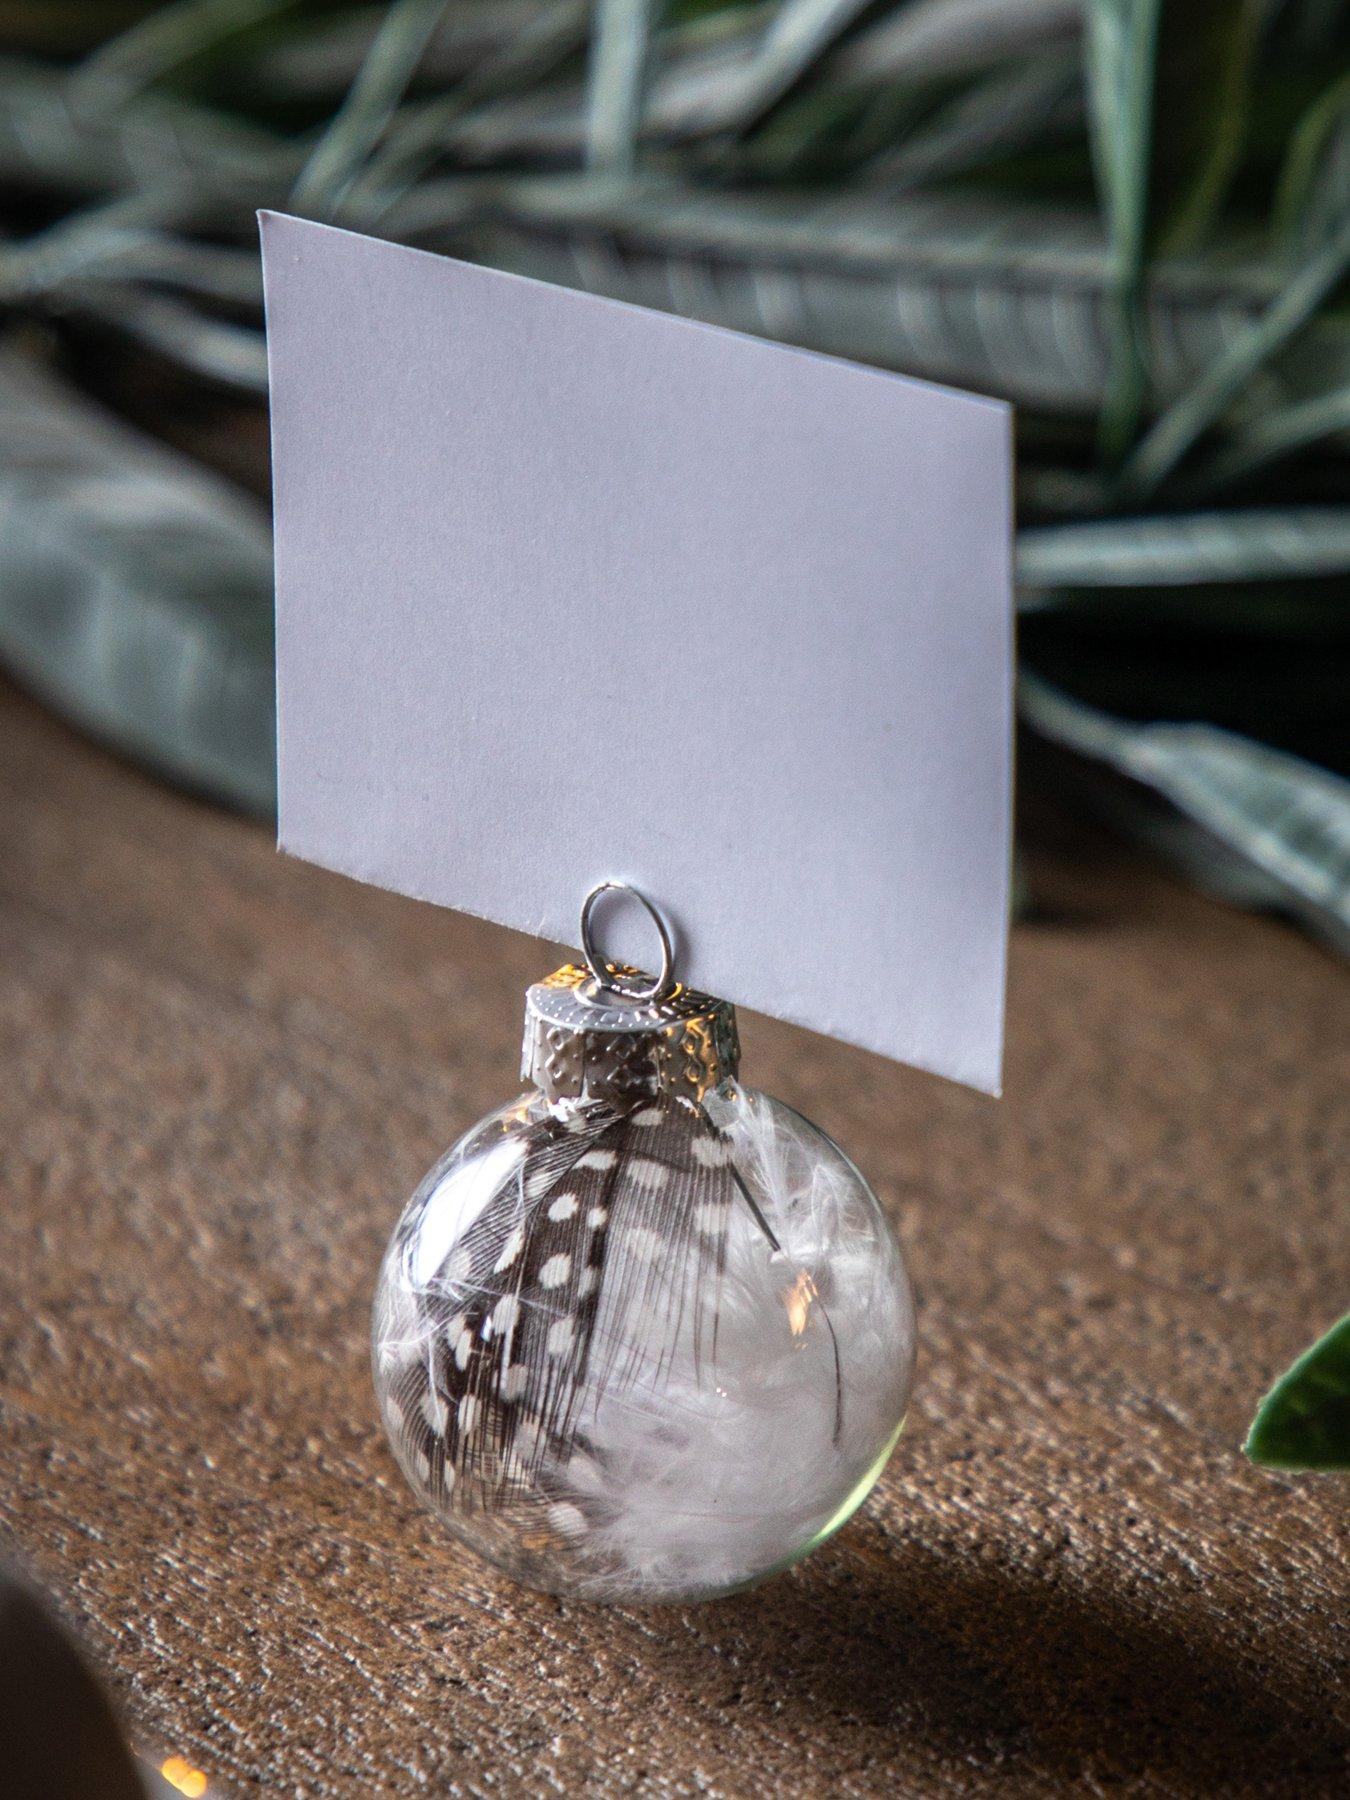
(644, 1334)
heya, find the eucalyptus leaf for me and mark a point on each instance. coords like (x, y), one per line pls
(211, 349)
(1286, 818)
(371, 102)
(1190, 415)
(620, 57)
(798, 32)
(1304, 1421)
(1314, 191)
(170, 36)
(1180, 549)
(154, 140)
(126, 240)
(1203, 860)
(928, 38)
(1276, 432)
(1122, 54)
(1010, 299)
(1166, 87)
(1201, 92)
(135, 591)
(321, 62)
(424, 131)
(1008, 108)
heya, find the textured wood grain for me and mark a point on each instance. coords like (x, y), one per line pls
(222, 1072)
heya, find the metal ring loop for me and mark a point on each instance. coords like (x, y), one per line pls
(604, 976)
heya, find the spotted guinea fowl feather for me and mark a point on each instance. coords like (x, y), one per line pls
(668, 1252)
(502, 1316)
(596, 1213)
(526, 1370)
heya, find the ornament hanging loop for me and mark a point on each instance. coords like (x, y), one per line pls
(607, 979)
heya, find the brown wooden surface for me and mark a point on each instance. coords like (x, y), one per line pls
(222, 1072)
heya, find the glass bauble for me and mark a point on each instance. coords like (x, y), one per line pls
(651, 1340)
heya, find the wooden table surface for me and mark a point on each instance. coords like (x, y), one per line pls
(223, 1071)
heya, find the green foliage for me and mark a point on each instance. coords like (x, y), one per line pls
(159, 44)
(1314, 192)
(1309, 288)
(1304, 1421)
(369, 106)
(1129, 216)
(137, 591)
(1167, 88)
(1285, 820)
(618, 81)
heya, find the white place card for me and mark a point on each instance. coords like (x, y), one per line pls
(568, 590)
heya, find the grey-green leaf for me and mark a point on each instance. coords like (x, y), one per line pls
(1188, 417)
(1272, 434)
(171, 35)
(1184, 549)
(928, 38)
(1010, 299)
(799, 31)
(1005, 110)
(135, 591)
(619, 65)
(356, 127)
(1314, 190)
(1166, 87)
(1287, 819)
(1304, 1421)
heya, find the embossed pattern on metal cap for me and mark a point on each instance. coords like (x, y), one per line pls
(585, 1042)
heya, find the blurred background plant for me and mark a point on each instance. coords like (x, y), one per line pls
(1130, 217)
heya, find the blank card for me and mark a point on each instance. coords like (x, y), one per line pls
(570, 591)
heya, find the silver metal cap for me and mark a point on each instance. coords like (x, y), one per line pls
(585, 1041)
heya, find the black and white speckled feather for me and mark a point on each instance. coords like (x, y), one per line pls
(593, 1204)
